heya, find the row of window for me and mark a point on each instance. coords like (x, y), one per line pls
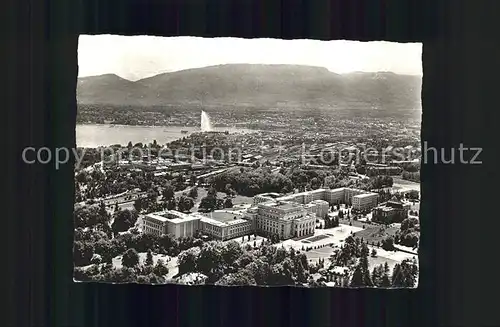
(239, 229)
(153, 231)
(153, 225)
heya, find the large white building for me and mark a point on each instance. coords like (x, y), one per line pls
(332, 196)
(283, 218)
(220, 224)
(365, 201)
(225, 225)
(171, 222)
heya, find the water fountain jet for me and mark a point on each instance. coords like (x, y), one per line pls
(206, 125)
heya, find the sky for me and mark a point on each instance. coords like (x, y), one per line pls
(136, 57)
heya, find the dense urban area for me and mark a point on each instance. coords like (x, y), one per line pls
(318, 199)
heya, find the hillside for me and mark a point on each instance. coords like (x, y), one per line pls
(111, 89)
(257, 85)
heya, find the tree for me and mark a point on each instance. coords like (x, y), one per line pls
(82, 253)
(242, 278)
(385, 280)
(405, 274)
(377, 275)
(361, 276)
(193, 192)
(149, 258)
(187, 260)
(130, 258)
(228, 203)
(228, 189)
(185, 203)
(388, 243)
(105, 249)
(408, 223)
(171, 204)
(230, 252)
(103, 213)
(212, 192)
(260, 270)
(168, 192)
(123, 220)
(179, 182)
(374, 253)
(88, 216)
(413, 195)
(208, 204)
(245, 259)
(160, 269)
(409, 239)
(219, 203)
(138, 205)
(210, 261)
(81, 177)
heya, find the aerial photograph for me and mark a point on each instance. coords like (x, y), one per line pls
(247, 162)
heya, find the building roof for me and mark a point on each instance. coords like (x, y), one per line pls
(218, 223)
(224, 216)
(365, 195)
(286, 205)
(237, 222)
(318, 202)
(172, 216)
(211, 221)
(270, 195)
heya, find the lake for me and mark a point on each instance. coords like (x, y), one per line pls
(94, 135)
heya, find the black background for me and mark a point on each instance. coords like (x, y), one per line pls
(458, 281)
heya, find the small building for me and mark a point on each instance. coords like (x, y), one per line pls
(392, 211)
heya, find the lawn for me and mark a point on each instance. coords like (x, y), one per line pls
(316, 238)
(237, 200)
(378, 260)
(324, 252)
(374, 234)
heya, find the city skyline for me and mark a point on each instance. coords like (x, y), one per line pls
(137, 57)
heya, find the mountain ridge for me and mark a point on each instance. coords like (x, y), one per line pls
(259, 85)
